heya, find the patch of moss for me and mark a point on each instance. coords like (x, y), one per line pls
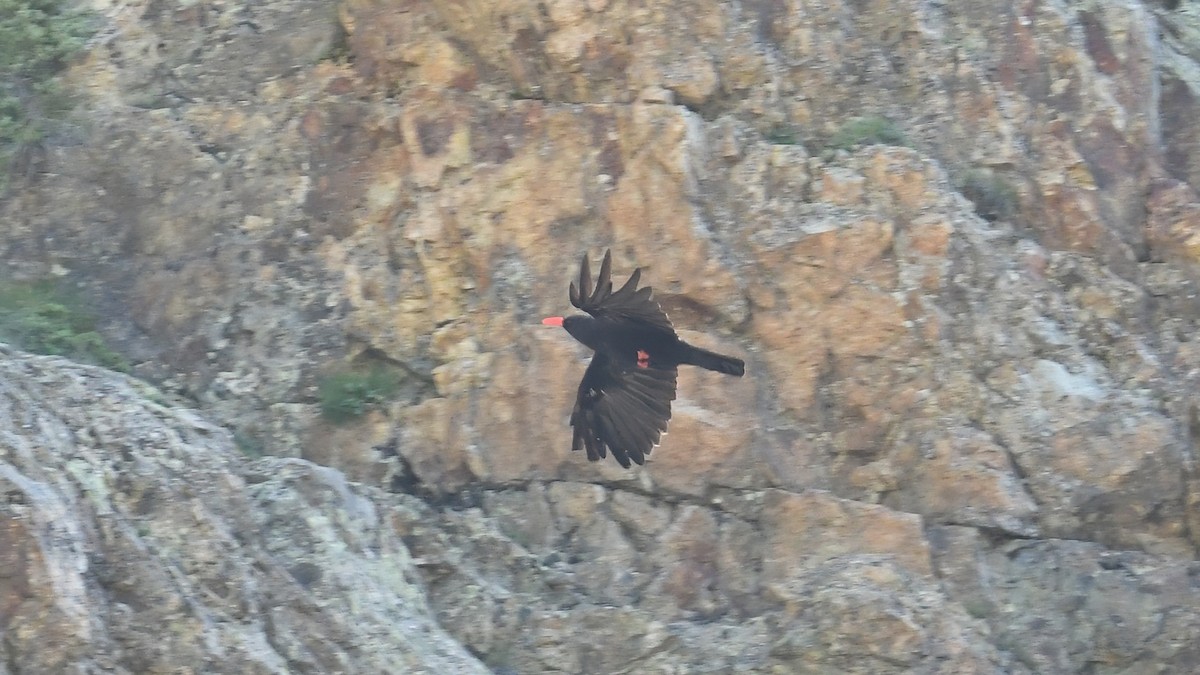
(42, 318)
(251, 446)
(994, 197)
(350, 394)
(870, 130)
(978, 608)
(338, 50)
(782, 135)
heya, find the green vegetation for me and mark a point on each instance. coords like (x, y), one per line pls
(527, 94)
(782, 134)
(350, 394)
(249, 445)
(40, 317)
(338, 50)
(978, 608)
(37, 37)
(872, 130)
(993, 196)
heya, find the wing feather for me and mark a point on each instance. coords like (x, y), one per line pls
(612, 436)
(585, 280)
(627, 291)
(604, 281)
(621, 410)
(629, 303)
(634, 433)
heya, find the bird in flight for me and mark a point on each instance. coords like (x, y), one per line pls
(624, 401)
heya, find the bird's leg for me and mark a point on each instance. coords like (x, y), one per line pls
(643, 359)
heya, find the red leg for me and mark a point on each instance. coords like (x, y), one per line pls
(643, 359)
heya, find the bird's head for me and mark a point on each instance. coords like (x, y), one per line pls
(578, 326)
(568, 322)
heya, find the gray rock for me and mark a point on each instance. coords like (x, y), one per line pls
(136, 539)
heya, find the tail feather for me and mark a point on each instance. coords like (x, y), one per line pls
(714, 361)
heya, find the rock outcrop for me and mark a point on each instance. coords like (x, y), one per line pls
(137, 539)
(965, 442)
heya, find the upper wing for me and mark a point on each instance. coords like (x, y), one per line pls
(622, 410)
(629, 302)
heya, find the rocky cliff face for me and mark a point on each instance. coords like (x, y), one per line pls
(964, 444)
(136, 539)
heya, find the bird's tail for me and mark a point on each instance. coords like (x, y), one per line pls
(714, 361)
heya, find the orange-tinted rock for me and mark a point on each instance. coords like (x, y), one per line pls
(807, 529)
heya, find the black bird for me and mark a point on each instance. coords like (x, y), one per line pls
(624, 400)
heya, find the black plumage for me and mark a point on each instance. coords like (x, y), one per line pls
(624, 400)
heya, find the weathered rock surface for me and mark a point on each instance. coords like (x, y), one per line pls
(965, 444)
(136, 539)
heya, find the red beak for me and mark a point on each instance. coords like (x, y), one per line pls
(552, 321)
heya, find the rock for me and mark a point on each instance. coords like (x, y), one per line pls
(137, 540)
(962, 478)
(1145, 602)
(698, 584)
(900, 623)
(791, 519)
(1173, 223)
(244, 559)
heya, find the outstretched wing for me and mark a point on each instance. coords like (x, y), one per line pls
(621, 410)
(629, 302)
